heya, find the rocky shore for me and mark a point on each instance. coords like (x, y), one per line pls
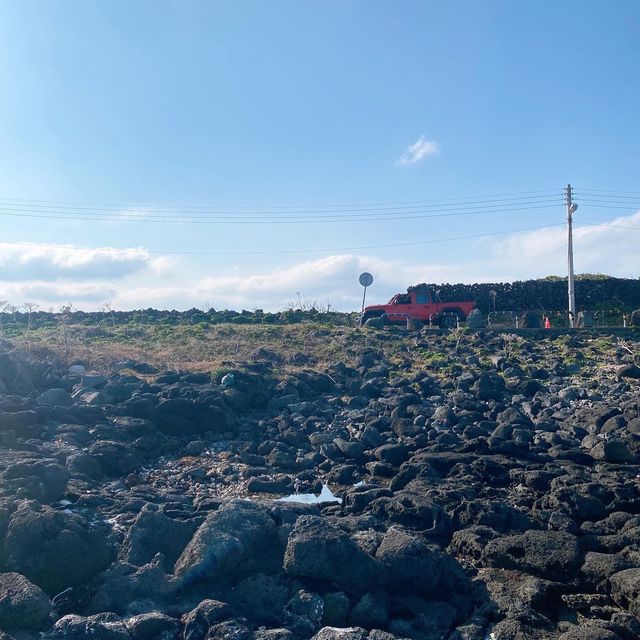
(476, 486)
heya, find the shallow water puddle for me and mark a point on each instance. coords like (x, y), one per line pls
(309, 498)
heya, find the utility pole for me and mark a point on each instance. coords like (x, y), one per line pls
(571, 209)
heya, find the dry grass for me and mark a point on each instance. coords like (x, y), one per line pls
(193, 347)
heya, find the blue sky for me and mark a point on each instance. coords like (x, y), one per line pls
(295, 106)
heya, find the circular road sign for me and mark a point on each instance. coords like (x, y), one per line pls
(366, 279)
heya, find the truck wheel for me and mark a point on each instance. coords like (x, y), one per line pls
(448, 320)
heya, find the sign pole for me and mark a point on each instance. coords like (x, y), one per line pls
(366, 280)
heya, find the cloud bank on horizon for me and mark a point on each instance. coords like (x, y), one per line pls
(50, 275)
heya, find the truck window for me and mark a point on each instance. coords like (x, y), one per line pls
(422, 298)
(403, 299)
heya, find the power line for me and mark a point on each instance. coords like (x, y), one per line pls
(315, 250)
(292, 251)
(142, 218)
(605, 196)
(118, 207)
(482, 204)
(609, 190)
(597, 205)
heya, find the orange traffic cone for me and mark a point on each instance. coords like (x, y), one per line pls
(547, 324)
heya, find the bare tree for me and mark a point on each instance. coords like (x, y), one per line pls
(107, 308)
(30, 307)
(12, 309)
(63, 319)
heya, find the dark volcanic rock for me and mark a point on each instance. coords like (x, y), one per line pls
(124, 588)
(348, 633)
(99, 627)
(320, 551)
(239, 536)
(70, 550)
(55, 397)
(394, 454)
(625, 589)
(154, 532)
(207, 614)
(612, 451)
(629, 371)
(554, 555)
(476, 501)
(42, 480)
(411, 565)
(22, 604)
(229, 630)
(262, 598)
(153, 626)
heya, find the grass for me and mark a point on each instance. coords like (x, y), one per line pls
(196, 347)
(203, 347)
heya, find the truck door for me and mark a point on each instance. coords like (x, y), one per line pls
(401, 308)
(423, 305)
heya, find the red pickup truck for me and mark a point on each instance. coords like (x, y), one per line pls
(423, 304)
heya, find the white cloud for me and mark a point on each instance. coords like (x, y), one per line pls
(50, 261)
(604, 249)
(331, 279)
(611, 249)
(417, 151)
(83, 295)
(136, 279)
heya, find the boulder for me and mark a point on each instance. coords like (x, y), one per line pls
(517, 594)
(342, 633)
(411, 565)
(261, 598)
(23, 605)
(239, 536)
(154, 532)
(628, 371)
(320, 551)
(489, 386)
(199, 620)
(42, 480)
(625, 590)
(124, 588)
(98, 627)
(55, 397)
(25, 424)
(153, 626)
(393, 454)
(371, 611)
(554, 555)
(114, 458)
(304, 613)
(273, 634)
(598, 567)
(612, 451)
(230, 630)
(70, 550)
